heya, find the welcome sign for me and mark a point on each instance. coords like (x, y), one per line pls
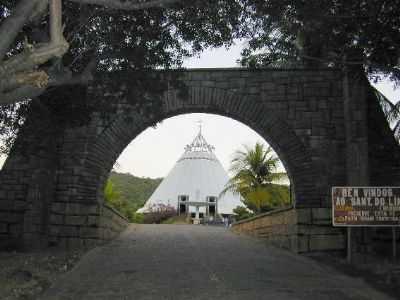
(366, 206)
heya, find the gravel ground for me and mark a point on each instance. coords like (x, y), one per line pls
(27, 275)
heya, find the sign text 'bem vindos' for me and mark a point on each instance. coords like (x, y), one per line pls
(366, 206)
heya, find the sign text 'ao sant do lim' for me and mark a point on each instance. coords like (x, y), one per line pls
(366, 206)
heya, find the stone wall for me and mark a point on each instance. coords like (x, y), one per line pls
(74, 225)
(298, 230)
(112, 223)
(27, 181)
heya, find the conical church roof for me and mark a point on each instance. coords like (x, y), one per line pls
(197, 174)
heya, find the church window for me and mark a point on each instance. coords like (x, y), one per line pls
(183, 198)
(211, 199)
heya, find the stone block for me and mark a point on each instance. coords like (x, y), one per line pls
(281, 241)
(93, 220)
(3, 228)
(90, 243)
(303, 215)
(7, 204)
(327, 242)
(81, 209)
(9, 217)
(303, 244)
(74, 243)
(76, 220)
(15, 229)
(89, 232)
(54, 230)
(317, 230)
(322, 216)
(69, 231)
(208, 83)
(58, 207)
(56, 219)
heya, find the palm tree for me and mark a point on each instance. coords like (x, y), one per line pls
(254, 174)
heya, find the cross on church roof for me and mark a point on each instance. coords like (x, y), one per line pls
(199, 143)
(200, 122)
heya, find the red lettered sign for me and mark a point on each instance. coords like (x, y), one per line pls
(366, 206)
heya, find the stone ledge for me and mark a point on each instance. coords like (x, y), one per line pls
(260, 216)
(298, 230)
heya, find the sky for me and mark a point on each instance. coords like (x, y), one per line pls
(154, 152)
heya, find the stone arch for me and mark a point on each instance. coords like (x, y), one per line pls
(248, 109)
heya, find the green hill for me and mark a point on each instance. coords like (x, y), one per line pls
(133, 190)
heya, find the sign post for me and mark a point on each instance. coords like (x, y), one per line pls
(349, 245)
(394, 243)
(366, 206)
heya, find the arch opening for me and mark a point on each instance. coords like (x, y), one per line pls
(159, 153)
(269, 126)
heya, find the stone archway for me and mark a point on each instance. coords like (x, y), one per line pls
(55, 189)
(118, 134)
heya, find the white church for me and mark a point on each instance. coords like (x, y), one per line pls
(194, 185)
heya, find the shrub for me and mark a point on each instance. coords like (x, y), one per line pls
(159, 213)
(137, 218)
(242, 213)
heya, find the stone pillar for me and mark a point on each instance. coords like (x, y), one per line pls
(356, 131)
(356, 135)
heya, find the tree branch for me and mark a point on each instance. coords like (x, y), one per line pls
(38, 79)
(56, 31)
(32, 58)
(128, 4)
(13, 24)
(36, 83)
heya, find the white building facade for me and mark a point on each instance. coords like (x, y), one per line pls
(194, 185)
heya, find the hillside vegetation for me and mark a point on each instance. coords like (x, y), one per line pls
(127, 193)
(135, 190)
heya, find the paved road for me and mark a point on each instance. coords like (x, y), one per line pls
(201, 262)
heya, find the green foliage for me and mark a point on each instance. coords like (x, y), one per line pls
(254, 174)
(113, 198)
(127, 193)
(364, 35)
(267, 197)
(137, 218)
(110, 194)
(242, 213)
